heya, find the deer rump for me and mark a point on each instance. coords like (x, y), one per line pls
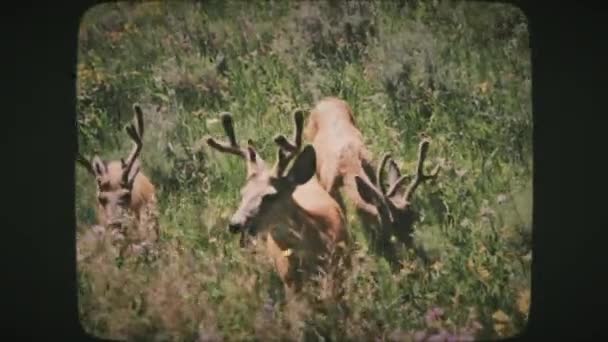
(285, 204)
(343, 166)
(341, 152)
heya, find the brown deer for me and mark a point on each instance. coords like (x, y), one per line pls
(302, 223)
(343, 163)
(393, 201)
(122, 189)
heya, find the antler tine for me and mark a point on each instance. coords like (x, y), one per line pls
(228, 125)
(139, 120)
(297, 138)
(381, 167)
(283, 158)
(420, 177)
(135, 131)
(232, 146)
(288, 150)
(85, 163)
(299, 123)
(393, 188)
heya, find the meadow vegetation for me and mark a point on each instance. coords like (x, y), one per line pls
(458, 72)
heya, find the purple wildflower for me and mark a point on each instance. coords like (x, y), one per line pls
(419, 336)
(440, 337)
(433, 315)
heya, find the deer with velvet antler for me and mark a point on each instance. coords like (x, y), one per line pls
(302, 224)
(123, 191)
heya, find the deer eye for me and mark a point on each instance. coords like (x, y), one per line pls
(126, 197)
(104, 186)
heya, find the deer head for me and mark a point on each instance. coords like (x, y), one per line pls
(266, 195)
(394, 201)
(115, 178)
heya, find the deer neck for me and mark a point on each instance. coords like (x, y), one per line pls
(297, 230)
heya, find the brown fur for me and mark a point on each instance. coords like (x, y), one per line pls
(310, 226)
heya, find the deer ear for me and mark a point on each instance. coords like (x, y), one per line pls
(367, 192)
(99, 167)
(304, 167)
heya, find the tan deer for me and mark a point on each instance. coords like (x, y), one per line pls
(302, 223)
(341, 152)
(122, 189)
(344, 163)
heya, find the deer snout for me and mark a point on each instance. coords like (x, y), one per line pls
(239, 222)
(235, 227)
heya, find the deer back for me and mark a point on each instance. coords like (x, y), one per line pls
(341, 151)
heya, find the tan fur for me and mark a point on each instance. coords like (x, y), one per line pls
(319, 226)
(343, 165)
(123, 191)
(142, 194)
(341, 152)
(307, 223)
(302, 224)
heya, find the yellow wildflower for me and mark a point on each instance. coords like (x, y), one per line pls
(523, 301)
(483, 273)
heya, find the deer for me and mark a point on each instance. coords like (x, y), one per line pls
(122, 189)
(302, 224)
(344, 166)
(341, 152)
(393, 201)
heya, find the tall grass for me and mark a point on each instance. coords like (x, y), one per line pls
(457, 71)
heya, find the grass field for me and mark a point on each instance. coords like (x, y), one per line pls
(459, 72)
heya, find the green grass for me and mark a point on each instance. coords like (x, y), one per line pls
(459, 72)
